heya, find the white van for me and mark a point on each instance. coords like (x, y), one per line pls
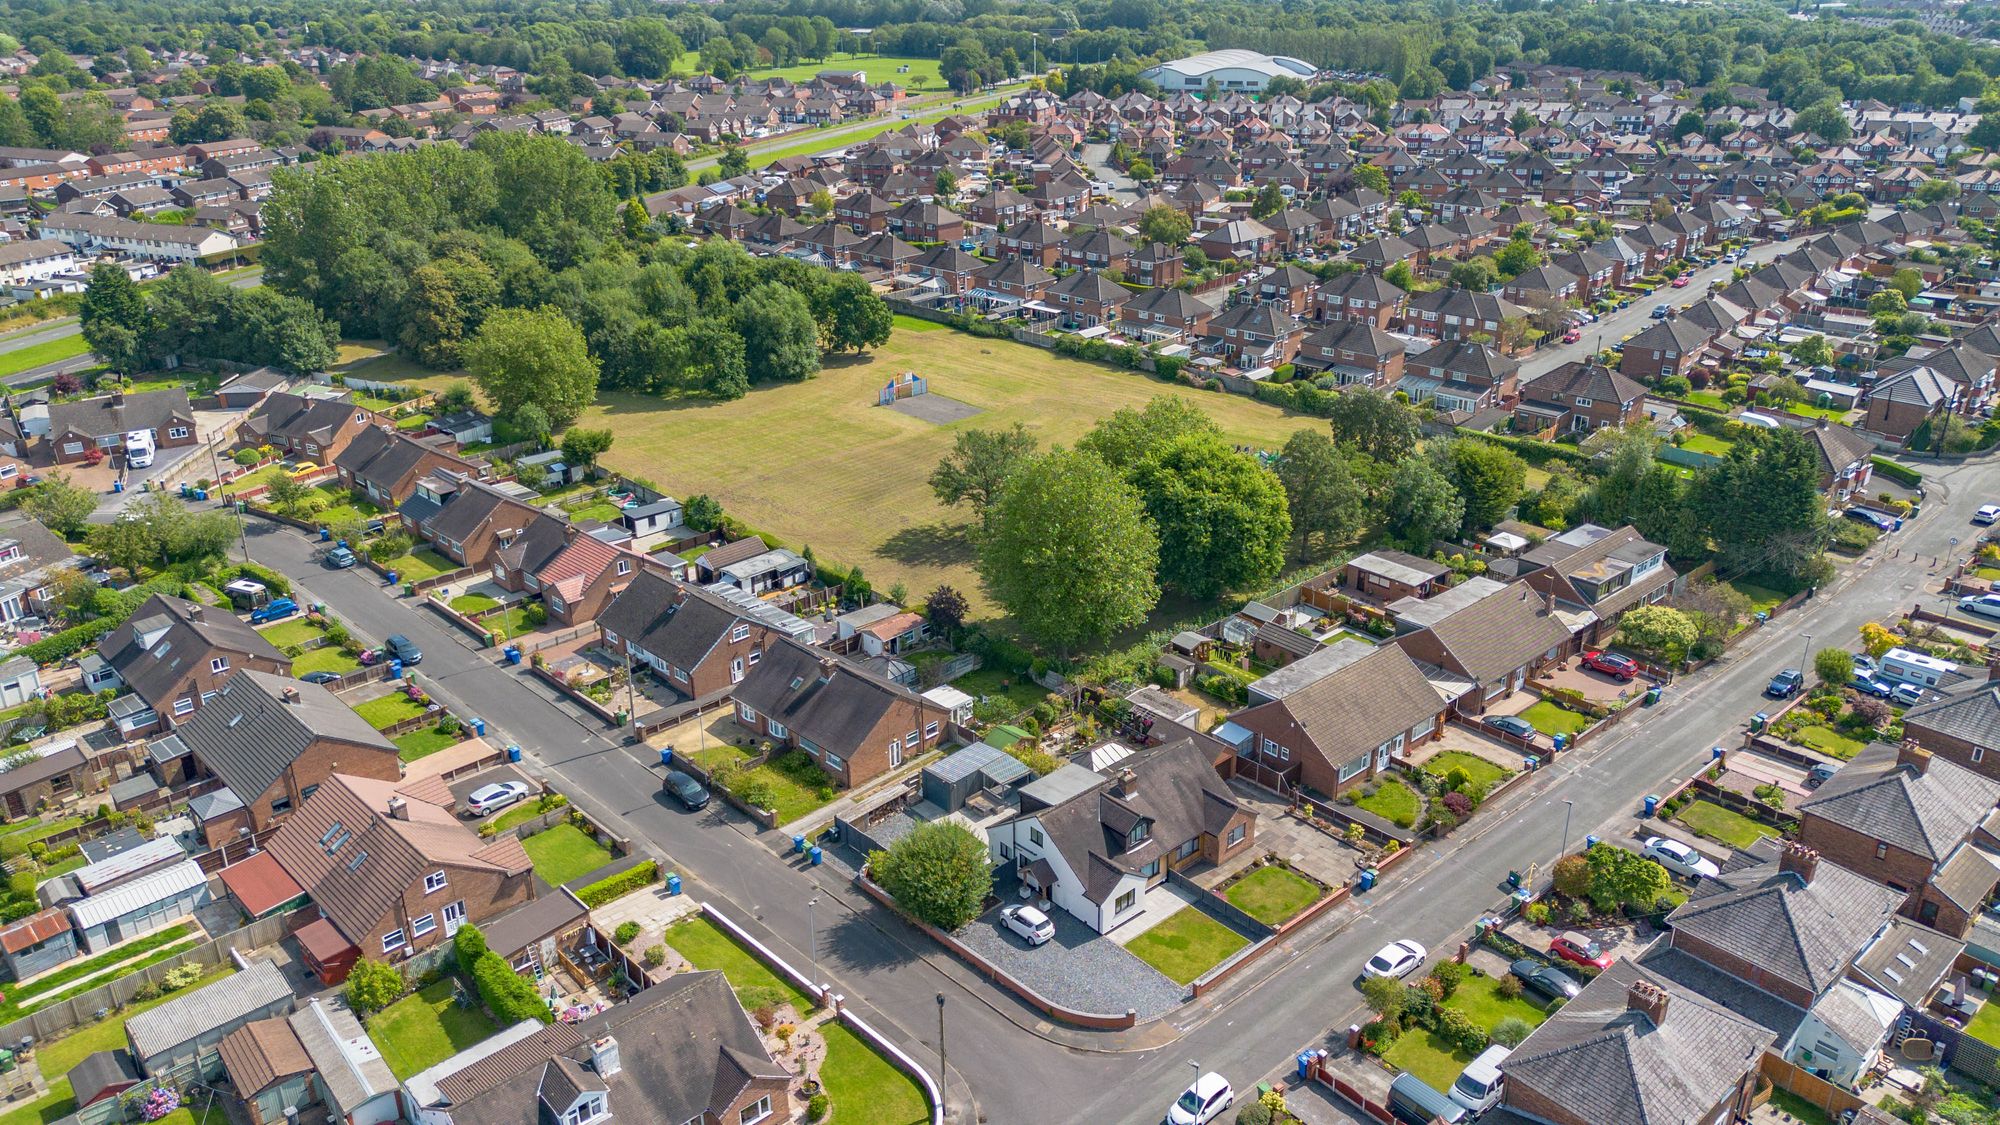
(139, 449)
(1921, 668)
(1478, 1088)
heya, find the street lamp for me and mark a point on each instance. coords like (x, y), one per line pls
(943, 1082)
(1196, 1064)
(1569, 806)
(1806, 656)
(812, 929)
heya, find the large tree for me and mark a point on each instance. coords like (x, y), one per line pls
(1069, 553)
(1424, 507)
(116, 321)
(978, 465)
(63, 507)
(939, 872)
(780, 337)
(1763, 508)
(1374, 423)
(1221, 516)
(850, 316)
(1321, 492)
(1129, 436)
(1488, 478)
(538, 356)
(1165, 223)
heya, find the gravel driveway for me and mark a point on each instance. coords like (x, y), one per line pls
(1078, 969)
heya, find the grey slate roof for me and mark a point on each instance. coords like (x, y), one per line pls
(156, 647)
(1801, 932)
(249, 735)
(1970, 711)
(117, 414)
(834, 704)
(1926, 813)
(342, 1053)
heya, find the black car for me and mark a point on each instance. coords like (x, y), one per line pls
(320, 677)
(1545, 980)
(403, 649)
(692, 795)
(1785, 684)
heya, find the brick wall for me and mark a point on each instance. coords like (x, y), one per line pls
(1752, 974)
(1857, 851)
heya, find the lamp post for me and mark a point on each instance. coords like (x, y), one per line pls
(1805, 660)
(1569, 806)
(942, 1080)
(812, 932)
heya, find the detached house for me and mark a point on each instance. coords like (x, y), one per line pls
(1608, 571)
(174, 655)
(854, 724)
(1338, 717)
(100, 424)
(1581, 396)
(385, 465)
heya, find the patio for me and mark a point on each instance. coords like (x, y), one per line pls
(1598, 688)
(653, 910)
(1312, 852)
(1155, 906)
(708, 739)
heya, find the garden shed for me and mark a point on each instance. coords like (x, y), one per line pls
(948, 783)
(190, 1029)
(140, 906)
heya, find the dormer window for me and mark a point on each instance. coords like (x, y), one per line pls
(1139, 833)
(590, 1107)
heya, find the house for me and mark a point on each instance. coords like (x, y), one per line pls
(1254, 335)
(1962, 726)
(1339, 717)
(1668, 347)
(37, 943)
(393, 871)
(1495, 636)
(182, 1030)
(317, 1055)
(31, 557)
(175, 655)
(1355, 353)
(1389, 575)
(583, 577)
(1581, 396)
(273, 742)
(128, 910)
(854, 724)
(1166, 316)
(1608, 571)
(1846, 461)
(316, 429)
(76, 429)
(1919, 823)
(1095, 845)
(475, 523)
(682, 1051)
(385, 465)
(27, 260)
(1903, 402)
(1461, 375)
(1458, 314)
(245, 390)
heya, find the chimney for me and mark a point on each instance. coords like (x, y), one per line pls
(1128, 784)
(117, 398)
(1914, 756)
(604, 1056)
(197, 612)
(825, 668)
(1647, 999)
(1549, 599)
(1797, 859)
(289, 694)
(399, 809)
(1823, 423)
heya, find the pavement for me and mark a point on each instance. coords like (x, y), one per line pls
(1294, 996)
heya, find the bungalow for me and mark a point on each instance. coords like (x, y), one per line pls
(697, 642)
(316, 429)
(1338, 717)
(1608, 571)
(97, 426)
(1492, 635)
(385, 465)
(1387, 576)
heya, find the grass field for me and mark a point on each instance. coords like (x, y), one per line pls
(1726, 825)
(423, 742)
(923, 73)
(863, 1087)
(1705, 443)
(1552, 719)
(420, 564)
(1186, 945)
(1272, 894)
(425, 1028)
(820, 141)
(297, 631)
(706, 946)
(34, 355)
(1393, 801)
(1762, 598)
(564, 852)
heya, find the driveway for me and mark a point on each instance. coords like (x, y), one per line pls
(1598, 688)
(1097, 158)
(1326, 858)
(1078, 968)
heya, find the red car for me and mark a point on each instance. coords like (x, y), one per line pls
(1620, 668)
(1572, 336)
(1681, 282)
(1573, 946)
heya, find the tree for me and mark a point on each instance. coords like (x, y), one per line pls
(1621, 878)
(534, 424)
(1321, 493)
(1269, 202)
(849, 314)
(115, 318)
(1813, 351)
(1476, 274)
(1908, 282)
(538, 356)
(1877, 640)
(1888, 302)
(780, 336)
(1372, 177)
(1373, 423)
(1936, 191)
(702, 512)
(945, 185)
(1424, 507)
(946, 609)
(1386, 997)
(1571, 876)
(1516, 258)
(1221, 516)
(1826, 120)
(1069, 553)
(647, 47)
(126, 544)
(1401, 276)
(1165, 224)
(732, 163)
(373, 985)
(1659, 631)
(1834, 666)
(1488, 478)
(1784, 391)
(455, 398)
(1129, 436)
(1141, 170)
(939, 871)
(978, 465)
(1763, 508)
(584, 447)
(63, 507)
(287, 493)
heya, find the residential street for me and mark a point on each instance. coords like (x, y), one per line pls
(1254, 1025)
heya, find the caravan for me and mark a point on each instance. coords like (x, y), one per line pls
(1904, 665)
(139, 449)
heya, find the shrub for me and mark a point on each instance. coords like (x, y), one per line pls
(180, 976)
(1457, 1028)
(1457, 779)
(1510, 987)
(1537, 913)
(507, 994)
(1458, 804)
(1448, 974)
(939, 872)
(625, 932)
(1253, 1113)
(1511, 1031)
(245, 457)
(816, 1107)
(1578, 910)
(373, 986)
(619, 885)
(656, 955)
(278, 583)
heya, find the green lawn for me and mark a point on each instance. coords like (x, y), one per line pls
(792, 786)
(424, 741)
(1020, 691)
(604, 511)
(326, 658)
(1829, 742)
(295, 631)
(1553, 718)
(425, 1028)
(814, 143)
(1484, 774)
(913, 324)
(470, 604)
(386, 711)
(864, 1088)
(1727, 825)
(564, 852)
(1186, 945)
(520, 814)
(1762, 598)
(1985, 1025)
(511, 623)
(1479, 997)
(1706, 443)
(1990, 573)
(1803, 1111)
(707, 946)
(413, 422)
(1272, 894)
(1428, 1057)
(1709, 399)
(41, 991)
(1392, 800)
(420, 564)
(49, 351)
(262, 478)
(1828, 413)
(344, 506)
(713, 755)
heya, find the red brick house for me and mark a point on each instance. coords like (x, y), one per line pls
(1582, 396)
(854, 724)
(693, 640)
(1339, 717)
(99, 425)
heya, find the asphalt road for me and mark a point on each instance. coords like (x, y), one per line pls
(31, 335)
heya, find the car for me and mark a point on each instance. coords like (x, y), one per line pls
(489, 799)
(1785, 684)
(1681, 282)
(1033, 926)
(1985, 605)
(1660, 312)
(1821, 774)
(321, 677)
(1205, 1101)
(1986, 514)
(376, 527)
(1480, 1084)
(303, 469)
(1514, 725)
(404, 649)
(1547, 980)
(1865, 663)
(1867, 683)
(1579, 948)
(1679, 858)
(1397, 959)
(1907, 695)
(340, 558)
(276, 610)
(692, 794)
(1881, 521)
(1572, 336)
(1618, 667)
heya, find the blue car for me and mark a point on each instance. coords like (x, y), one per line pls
(276, 611)
(1867, 684)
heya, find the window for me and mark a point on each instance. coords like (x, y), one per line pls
(434, 882)
(1356, 766)
(1978, 753)
(740, 633)
(910, 739)
(219, 664)
(1138, 833)
(1035, 835)
(1187, 849)
(177, 432)
(306, 794)
(624, 567)
(832, 760)
(392, 941)
(931, 731)
(744, 712)
(777, 729)
(184, 705)
(586, 1109)
(756, 654)
(756, 1111)
(1236, 835)
(421, 926)
(1125, 902)
(1881, 851)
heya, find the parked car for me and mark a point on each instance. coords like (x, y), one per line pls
(1907, 695)
(1868, 683)
(1660, 312)
(1621, 668)
(682, 787)
(1205, 1101)
(1572, 336)
(1882, 521)
(1820, 774)
(1681, 282)
(1785, 684)
(1985, 605)
(1866, 663)
(1479, 1085)
(489, 799)
(1986, 514)
(1033, 926)
(320, 678)
(340, 558)
(1514, 725)
(1545, 980)
(275, 611)
(1579, 948)
(1679, 858)
(1397, 959)
(404, 649)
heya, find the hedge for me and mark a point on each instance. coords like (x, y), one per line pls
(1537, 453)
(278, 583)
(58, 647)
(506, 993)
(619, 885)
(1901, 474)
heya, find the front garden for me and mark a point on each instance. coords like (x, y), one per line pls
(1186, 944)
(1838, 723)
(706, 946)
(1389, 798)
(1273, 893)
(425, 741)
(385, 711)
(1714, 821)
(1552, 718)
(564, 852)
(790, 784)
(1434, 1026)
(418, 565)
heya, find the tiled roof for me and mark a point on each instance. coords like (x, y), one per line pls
(260, 1053)
(259, 724)
(1927, 813)
(1797, 930)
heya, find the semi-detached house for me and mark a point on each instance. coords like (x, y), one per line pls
(856, 725)
(698, 642)
(1336, 718)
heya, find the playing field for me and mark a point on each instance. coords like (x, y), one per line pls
(923, 73)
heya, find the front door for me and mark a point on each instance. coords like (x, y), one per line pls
(736, 671)
(895, 753)
(454, 917)
(1387, 751)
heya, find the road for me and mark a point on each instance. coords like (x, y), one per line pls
(62, 329)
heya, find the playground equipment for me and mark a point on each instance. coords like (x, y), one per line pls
(909, 384)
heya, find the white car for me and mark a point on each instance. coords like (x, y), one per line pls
(1986, 514)
(1032, 925)
(1907, 695)
(1203, 1102)
(492, 798)
(1985, 605)
(1397, 959)
(1679, 858)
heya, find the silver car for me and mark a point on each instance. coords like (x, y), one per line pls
(488, 799)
